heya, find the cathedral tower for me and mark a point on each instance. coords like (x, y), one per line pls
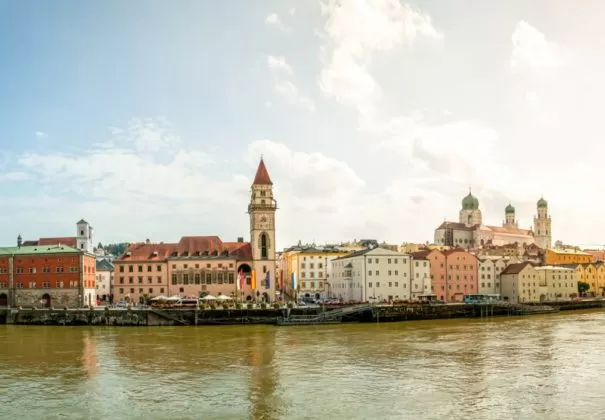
(262, 209)
(542, 225)
(509, 217)
(470, 214)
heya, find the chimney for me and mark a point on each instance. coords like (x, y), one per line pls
(240, 239)
(19, 241)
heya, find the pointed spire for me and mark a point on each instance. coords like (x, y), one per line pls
(262, 175)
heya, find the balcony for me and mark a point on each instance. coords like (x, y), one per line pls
(269, 206)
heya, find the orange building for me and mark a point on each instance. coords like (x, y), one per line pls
(566, 256)
(52, 275)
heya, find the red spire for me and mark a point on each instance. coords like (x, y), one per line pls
(262, 176)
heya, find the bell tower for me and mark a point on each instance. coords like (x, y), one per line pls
(262, 209)
(542, 225)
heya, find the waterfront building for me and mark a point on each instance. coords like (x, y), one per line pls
(592, 274)
(104, 280)
(561, 282)
(206, 264)
(470, 232)
(311, 266)
(489, 271)
(436, 262)
(380, 274)
(46, 275)
(521, 283)
(559, 256)
(421, 286)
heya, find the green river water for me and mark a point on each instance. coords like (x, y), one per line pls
(539, 367)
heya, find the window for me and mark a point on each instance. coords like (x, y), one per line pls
(149, 279)
(149, 269)
(159, 268)
(59, 269)
(121, 269)
(185, 278)
(130, 269)
(19, 270)
(174, 279)
(121, 280)
(264, 246)
(231, 278)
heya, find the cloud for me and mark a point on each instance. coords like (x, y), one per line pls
(14, 176)
(531, 49)
(348, 52)
(41, 135)
(292, 11)
(278, 63)
(139, 184)
(274, 20)
(291, 95)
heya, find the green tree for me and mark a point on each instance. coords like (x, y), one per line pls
(583, 287)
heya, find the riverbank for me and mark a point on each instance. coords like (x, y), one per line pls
(182, 317)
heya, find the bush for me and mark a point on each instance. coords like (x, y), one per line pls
(263, 305)
(250, 305)
(238, 305)
(225, 306)
(290, 305)
(202, 306)
(212, 306)
(276, 305)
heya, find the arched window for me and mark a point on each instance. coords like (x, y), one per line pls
(264, 246)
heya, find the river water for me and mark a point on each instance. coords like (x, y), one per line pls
(539, 367)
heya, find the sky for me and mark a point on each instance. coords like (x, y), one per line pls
(374, 118)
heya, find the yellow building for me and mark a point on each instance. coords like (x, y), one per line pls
(594, 275)
(311, 266)
(566, 256)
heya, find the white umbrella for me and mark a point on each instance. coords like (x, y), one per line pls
(160, 298)
(208, 297)
(174, 298)
(224, 297)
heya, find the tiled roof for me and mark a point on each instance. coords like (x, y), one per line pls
(422, 255)
(515, 268)
(188, 247)
(510, 230)
(104, 265)
(69, 241)
(36, 250)
(262, 175)
(455, 225)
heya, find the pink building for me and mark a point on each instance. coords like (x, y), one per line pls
(453, 273)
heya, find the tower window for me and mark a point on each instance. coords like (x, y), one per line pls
(262, 193)
(264, 246)
(81, 233)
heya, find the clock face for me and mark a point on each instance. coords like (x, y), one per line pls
(263, 219)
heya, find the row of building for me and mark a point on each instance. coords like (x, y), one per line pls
(468, 257)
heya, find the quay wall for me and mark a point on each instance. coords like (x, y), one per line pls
(178, 317)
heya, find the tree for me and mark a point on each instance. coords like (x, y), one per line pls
(583, 287)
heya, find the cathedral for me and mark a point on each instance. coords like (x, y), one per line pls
(470, 232)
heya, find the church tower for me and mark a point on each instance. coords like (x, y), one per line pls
(470, 214)
(84, 237)
(542, 225)
(262, 209)
(509, 217)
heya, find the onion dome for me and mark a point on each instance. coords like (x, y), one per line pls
(470, 202)
(509, 209)
(542, 203)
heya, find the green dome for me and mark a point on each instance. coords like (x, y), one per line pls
(470, 202)
(542, 203)
(509, 209)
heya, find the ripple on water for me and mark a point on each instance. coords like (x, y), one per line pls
(543, 367)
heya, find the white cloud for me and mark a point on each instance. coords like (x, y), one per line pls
(292, 11)
(532, 50)
(291, 95)
(278, 63)
(41, 135)
(14, 176)
(386, 24)
(274, 20)
(131, 194)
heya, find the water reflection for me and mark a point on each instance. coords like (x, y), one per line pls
(543, 367)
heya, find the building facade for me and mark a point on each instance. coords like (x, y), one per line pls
(311, 265)
(104, 281)
(46, 276)
(566, 256)
(380, 274)
(561, 282)
(470, 232)
(521, 283)
(543, 225)
(205, 264)
(489, 271)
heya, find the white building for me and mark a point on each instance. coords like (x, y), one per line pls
(524, 283)
(379, 274)
(490, 269)
(561, 282)
(104, 280)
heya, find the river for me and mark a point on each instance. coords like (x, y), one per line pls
(539, 367)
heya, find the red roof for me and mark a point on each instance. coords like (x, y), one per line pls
(188, 246)
(69, 241)
(262, 175)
